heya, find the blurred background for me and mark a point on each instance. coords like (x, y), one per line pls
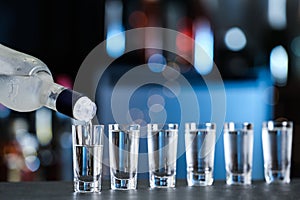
(255, 44)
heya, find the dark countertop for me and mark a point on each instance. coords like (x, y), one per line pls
(64, 191)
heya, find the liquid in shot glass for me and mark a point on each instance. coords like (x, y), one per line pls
(162, 154)
(238, 149)
(200, 140)
(123, 155)
(87, 157)
(277, 150)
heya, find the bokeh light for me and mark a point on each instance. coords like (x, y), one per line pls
(115, 43)
(204, 47)
(29, 150)
(235, 39)
(171, 72)
(155, 99)
(32, 163)
(47, 157)
(115, 37)
(156, 108)
(277, 14)
(66, 140)
(184, 43)
(279, 64)
(64, 80)
(138, 19)
(295, 46)
(43, 126)
(157, 63)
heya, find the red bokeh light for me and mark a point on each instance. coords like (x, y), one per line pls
(138, 19)
(64, 80)
(184, 42)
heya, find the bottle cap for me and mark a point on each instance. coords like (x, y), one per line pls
(84, 109)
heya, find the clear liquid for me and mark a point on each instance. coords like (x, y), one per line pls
(162, 148)
(123, 150)
(277, 149)
(238, 148)
(88, 163)
(21, 93)
(200, 149)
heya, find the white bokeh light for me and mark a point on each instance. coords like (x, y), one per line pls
(156, 108)
(157, 63)
(115, 36)
(155, 99)
(204, 48)
(171, 73)
(277, 14)
(235, 39)
(279, 64)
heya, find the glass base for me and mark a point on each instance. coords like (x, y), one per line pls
(82, 186)
(123, 184)
(162, 181)
(272, 176)
(197, 179)
(238, 179)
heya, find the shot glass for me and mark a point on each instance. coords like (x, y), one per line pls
(123, 155)
(162, 154)
(238, 149)
(87, 157)
(200, 140)
(277, 150)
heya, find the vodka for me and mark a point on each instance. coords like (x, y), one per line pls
(277, 149)
(26, 84)
(200, 150)
(88, 165)
(162, 154)
(87, 157)
(123, 155)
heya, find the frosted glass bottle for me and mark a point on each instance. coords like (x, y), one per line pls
(26, 84)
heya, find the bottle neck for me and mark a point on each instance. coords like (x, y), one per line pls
(50, 90)
(66, 101)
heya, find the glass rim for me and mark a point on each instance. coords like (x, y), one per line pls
(277, 124)
(161, 126)
(233, 126)
(123, 126)
(196, 126)
(88, 125)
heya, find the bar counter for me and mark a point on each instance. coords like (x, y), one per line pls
(219, 190)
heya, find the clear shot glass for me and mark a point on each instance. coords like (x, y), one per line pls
(238, 149)
(87, 157)
(123, 155)
(162, 154)
(200, 140)
(277, 150)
